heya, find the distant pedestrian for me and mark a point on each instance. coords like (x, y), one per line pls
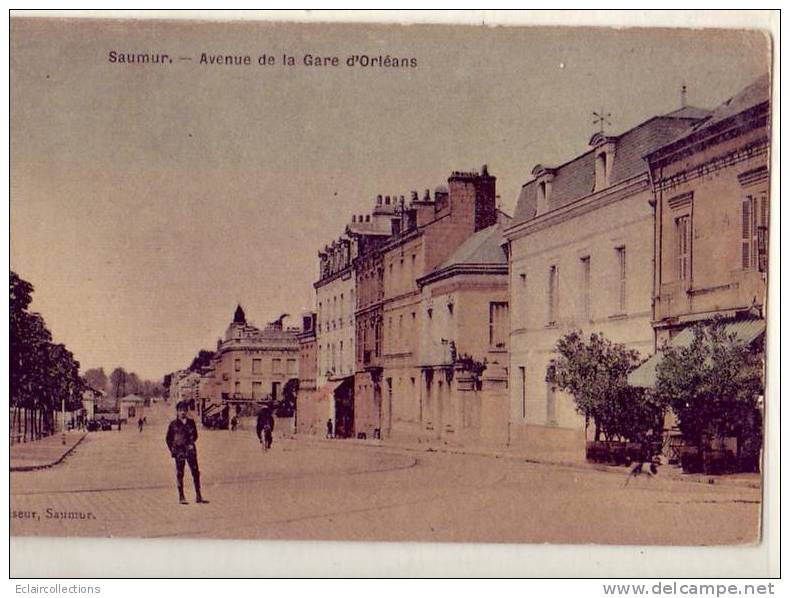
(233, 423)
(120, 421)
(140, 423)
(264, 427)
(329, 428)
(181, 437)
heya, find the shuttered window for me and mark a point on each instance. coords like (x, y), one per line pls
(754, 228)
(553, 294)
(683, 246)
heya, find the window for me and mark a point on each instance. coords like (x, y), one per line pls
(683, 247)
(497, 324)
(553, 294)
(543, 198)
(277, 366)
(237, 388)
(256, 390)
(522, 379)
(256, 366)
(237, 365)
(291, 367)
(601, 170)
(585, 284)
(621, 270)
(754, 229)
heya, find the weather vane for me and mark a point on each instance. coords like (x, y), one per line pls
(602, 118)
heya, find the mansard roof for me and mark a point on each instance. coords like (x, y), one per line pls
(576, 179)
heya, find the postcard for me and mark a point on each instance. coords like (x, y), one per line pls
(360, 282)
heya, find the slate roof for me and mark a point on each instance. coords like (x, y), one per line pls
(483, 247)
(752, 95)
(576, 179)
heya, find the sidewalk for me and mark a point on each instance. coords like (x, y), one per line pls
(39, 454)
(565, 460)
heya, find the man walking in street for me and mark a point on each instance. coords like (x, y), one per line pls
(181, 438)
(264, 427)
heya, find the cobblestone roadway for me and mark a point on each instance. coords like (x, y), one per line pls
(124, 483)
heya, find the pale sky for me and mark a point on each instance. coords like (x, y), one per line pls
(147, 200)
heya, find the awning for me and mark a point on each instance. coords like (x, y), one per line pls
(745, 331)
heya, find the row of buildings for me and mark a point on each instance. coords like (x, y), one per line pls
(437, 315)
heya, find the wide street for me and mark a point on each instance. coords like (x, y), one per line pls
(123, 484)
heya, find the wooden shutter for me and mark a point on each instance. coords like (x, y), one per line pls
(746, 233)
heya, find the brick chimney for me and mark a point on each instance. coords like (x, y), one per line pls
(473, 196)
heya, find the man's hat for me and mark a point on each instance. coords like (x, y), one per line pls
(182, 405)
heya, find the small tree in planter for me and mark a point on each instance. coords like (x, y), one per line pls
(595, 372)
(713, 386)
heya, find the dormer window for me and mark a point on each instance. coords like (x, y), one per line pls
(544, 177)
(542, 197)
(601, 171)
(604, 158)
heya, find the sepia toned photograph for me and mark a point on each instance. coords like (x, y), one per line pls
(367, 282)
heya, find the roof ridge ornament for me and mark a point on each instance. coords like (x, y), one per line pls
(602, 119)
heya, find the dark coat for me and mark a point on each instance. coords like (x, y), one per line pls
(264, 419)
(181, 437)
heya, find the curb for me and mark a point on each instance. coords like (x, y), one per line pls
(52, 464)
(579, 466)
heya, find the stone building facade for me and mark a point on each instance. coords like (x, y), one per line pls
(251, 365)
(431, 230)
(369, 318)
(462, 348)
(337, 329)
(711, 189)
(308, 421)
(581, 257)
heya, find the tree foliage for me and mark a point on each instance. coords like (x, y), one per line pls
(43, 376)
(201, 361)
(712, 385)
(287, 406)
(96, 379)
(595, 372)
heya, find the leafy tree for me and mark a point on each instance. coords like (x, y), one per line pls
(712, 385)
(96, 379)
(287, 406)
(201, 361)
(42, 374)
(595, 372)
(118, 379)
